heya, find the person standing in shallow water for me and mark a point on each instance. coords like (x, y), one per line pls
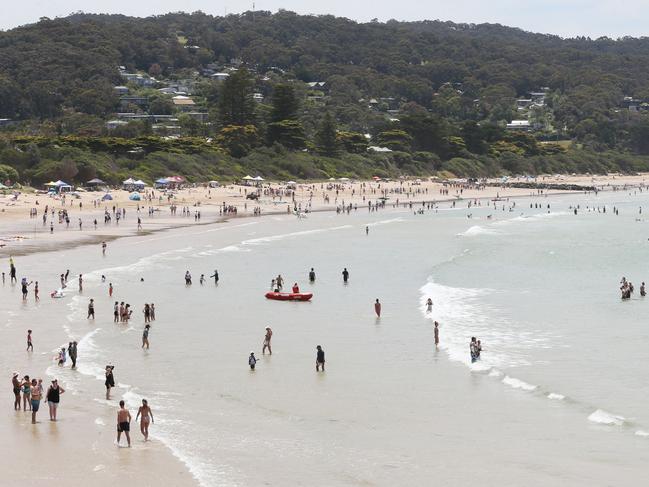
(319, 359)
(252, 360)
(345, 275)
(145, 337)
(123, 423)
(147, 417)
(312, 275)
(377, 308)
(215, 276)
(269, 335)
(110, 380)
(436, 334)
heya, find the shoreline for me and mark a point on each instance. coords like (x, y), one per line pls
(101, 440)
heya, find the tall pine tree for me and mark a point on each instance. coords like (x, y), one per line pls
(326, 137)
(236, 104)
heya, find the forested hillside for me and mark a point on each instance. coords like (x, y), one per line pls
(413, 97)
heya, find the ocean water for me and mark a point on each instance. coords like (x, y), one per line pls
(560, 395)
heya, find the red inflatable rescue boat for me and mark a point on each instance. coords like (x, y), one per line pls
(289, 296)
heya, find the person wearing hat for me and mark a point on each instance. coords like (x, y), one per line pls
(252, 360)
(53, 397)
(15, 382)
(269, 335)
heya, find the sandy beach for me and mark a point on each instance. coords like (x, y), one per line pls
(82, 443)
(20, 234)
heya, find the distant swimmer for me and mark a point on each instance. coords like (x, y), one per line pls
(429, 305)
(252, 361)
(188, 278)
(436, 334)
(345, 275)
(312, 275)
(146, 416)
(319, 359)
(296, 288)
(377, 308)
(267, 338)
(103, 248)
(642, 290)
(215, 276)
(367, 230)
(123, 423)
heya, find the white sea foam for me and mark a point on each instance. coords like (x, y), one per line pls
(495, 373)
(476, 230)
(518, 384)
(463, 313)
(602, 417)
(556, 397)
(385, 222)
(642, 433)
(274, 238)
(99, 422)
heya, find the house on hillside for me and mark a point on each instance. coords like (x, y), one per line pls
(183, 103)
(220, 76)
(519, 125)
(120, 90)
(113, 124)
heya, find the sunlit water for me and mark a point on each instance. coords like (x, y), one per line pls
(560, 396)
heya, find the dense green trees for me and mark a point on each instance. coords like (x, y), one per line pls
(236, 105)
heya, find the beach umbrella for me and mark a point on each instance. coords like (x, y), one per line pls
(258, 178)
(129, 181)
(106, 197)
(248, 178)
(51, 183)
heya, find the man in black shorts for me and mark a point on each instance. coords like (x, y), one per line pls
(123, 423)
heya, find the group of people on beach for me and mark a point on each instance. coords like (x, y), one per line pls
(32, 393)
(627, 289)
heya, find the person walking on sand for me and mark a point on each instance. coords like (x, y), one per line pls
(110, 380)
(53, 397)
(146, 415)
(269, 335)
(215, 276)
(319, 359)
(36, 394)
(30, 344)
(377, 308)
(252, 360)
(123, 423)
(91, 309)
(36, 297)
(110, 289)
(145, 337)
(436, 333)
(345, 275)
(152, 311)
